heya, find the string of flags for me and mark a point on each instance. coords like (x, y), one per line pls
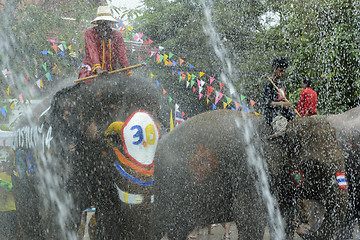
(200, 82)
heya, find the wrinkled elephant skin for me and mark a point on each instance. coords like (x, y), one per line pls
(202, 177)
(202, 166)
(347, 126)
(62, 158)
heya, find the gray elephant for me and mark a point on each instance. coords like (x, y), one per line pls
(201, 166)
(347, 126)
(91, 144)
(202, 176)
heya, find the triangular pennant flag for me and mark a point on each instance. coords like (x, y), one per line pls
(198, 81)
(50, 53)
(21, 98)
(170, 63)
(157, 58)
(130, 28)
(12, 105)
(247, 110)
(61, 47)
(157, 83)
(181, 61)
(41, 84)
(161, 58)
(201, 74)
(242, 97)
(140, 35)
(44, 66)
(170, 99)
(180, 78)
(207, 101)
(170, 55)
(214, 106)
(200, 95)
(69, 47)
(174, 63)
(237, 105)
(233, 108)
(44, 52)
(139, 58)
(221, 86)
(136, 37)
(192, 82)
(171, 121)
(256, 113)
(252, 102)
(189, 76)
(228, 100)
(164, 91)
(166, 62)
(194, 89)
(191, 66)
(54, 47)
(218, 97)
(8, 91)
(165, 57)
(182, 114)
(225, 104)
(48, 76)
(209, 91)
(211, 80)
(151, 75)
(3, 111)
(38, 83)
(120, 23)
(55, 66)
(187, 84)
(64, 44)
(193, 76)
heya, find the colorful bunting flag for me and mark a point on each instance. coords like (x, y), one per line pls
(171, 121)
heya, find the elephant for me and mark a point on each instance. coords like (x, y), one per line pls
(201, 166)
(69, 155)
(104, 143)
(347, 126)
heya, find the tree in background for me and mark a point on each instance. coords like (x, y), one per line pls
(322, 39)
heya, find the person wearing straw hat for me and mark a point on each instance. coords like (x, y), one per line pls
(104, 46)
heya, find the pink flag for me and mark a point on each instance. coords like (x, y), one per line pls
(211, 80)
(218, 98)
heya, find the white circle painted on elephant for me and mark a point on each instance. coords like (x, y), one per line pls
(140, 136)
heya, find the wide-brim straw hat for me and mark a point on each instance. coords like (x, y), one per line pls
(104, 14)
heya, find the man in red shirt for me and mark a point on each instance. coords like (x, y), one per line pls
(104, 46)
(307, 104)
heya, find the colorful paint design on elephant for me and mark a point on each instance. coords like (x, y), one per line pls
(202, 162)
(297, 176)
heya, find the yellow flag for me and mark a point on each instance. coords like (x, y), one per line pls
(8, 91)
(207, 101)
(41, 84)
(151, 75)
(165, 57)
(225, 104)
(189, 77)
(130, 28)
(12, 106)
(171, 121)
(201, 74)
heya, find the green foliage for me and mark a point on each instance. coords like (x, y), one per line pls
(321, 37)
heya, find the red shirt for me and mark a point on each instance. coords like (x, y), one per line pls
(105, 54)
(307, 102)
